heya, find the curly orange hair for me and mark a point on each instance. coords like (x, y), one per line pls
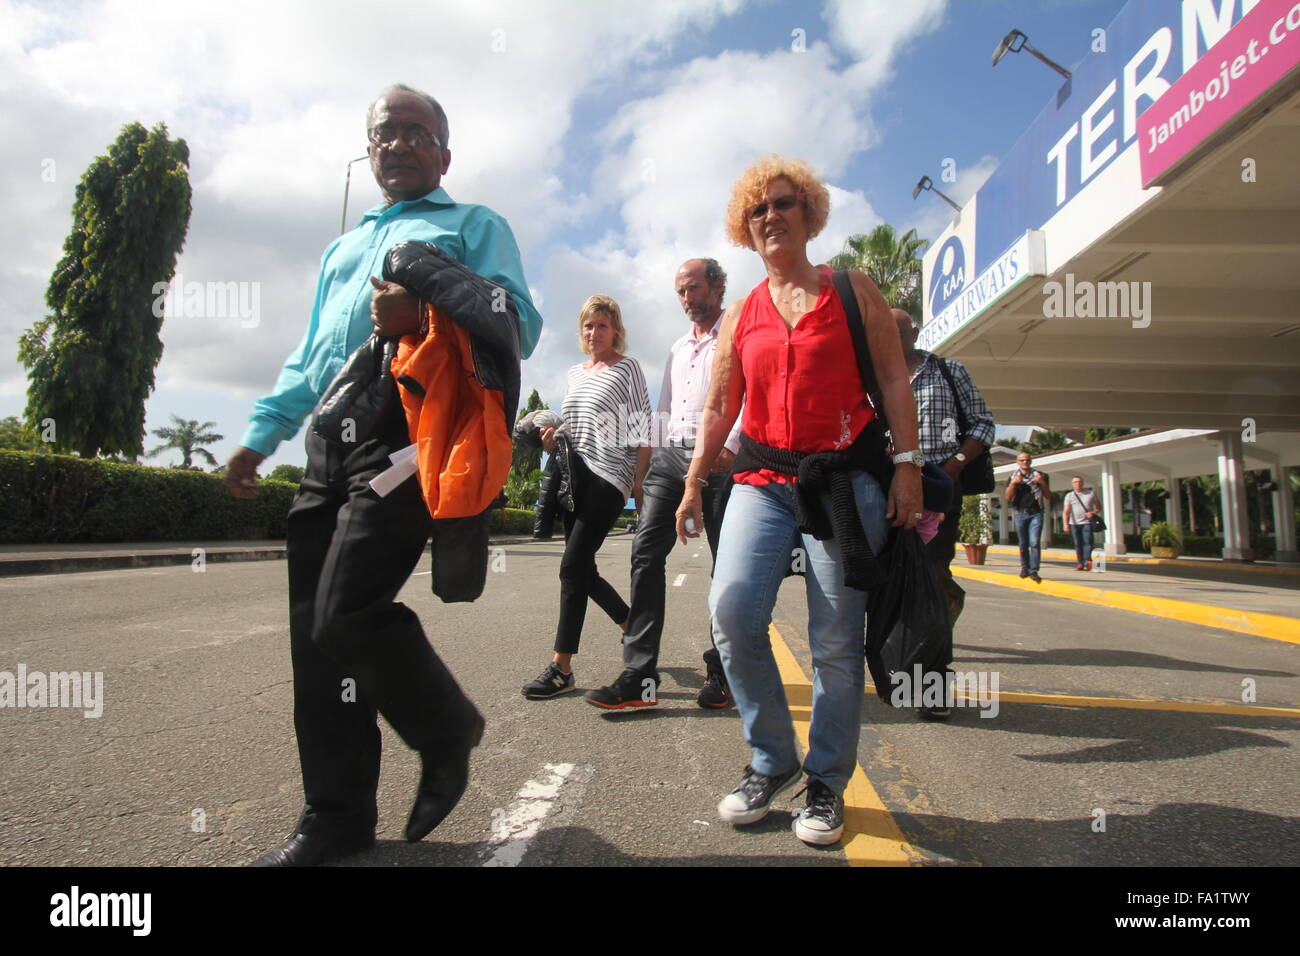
(752, 184)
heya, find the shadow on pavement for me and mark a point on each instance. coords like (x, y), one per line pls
(1093, 657)
(1135, 735)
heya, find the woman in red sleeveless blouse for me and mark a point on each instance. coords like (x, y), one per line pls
(785, 353)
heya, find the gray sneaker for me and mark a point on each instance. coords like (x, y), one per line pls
(551, 682)
(752, 798)
(821, 821)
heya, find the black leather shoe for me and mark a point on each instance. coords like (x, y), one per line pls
(443, 779)
(303, 849)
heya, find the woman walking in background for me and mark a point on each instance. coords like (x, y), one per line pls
(606, 393)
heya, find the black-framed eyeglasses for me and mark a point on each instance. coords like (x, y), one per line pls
(416, 137)
(784, 204)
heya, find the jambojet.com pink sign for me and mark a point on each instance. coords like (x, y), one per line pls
(1261, 49)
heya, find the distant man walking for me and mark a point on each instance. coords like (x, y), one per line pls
(701, 285)
(1029, 495)
(1080, 507)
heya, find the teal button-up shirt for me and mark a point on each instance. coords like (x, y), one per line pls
(340, 316)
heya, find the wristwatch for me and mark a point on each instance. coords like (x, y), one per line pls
(909, 458)
(960, 457)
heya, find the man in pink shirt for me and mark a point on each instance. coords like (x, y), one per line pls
(701, 285)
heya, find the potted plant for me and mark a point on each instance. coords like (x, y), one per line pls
(1163, 540)
(974, 529)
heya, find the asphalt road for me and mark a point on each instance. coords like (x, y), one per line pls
(193, 760)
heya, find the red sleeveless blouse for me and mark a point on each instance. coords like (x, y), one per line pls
(803, 391)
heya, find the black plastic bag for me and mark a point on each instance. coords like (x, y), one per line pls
(907, 618)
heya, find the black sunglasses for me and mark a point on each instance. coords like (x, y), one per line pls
(784, 204)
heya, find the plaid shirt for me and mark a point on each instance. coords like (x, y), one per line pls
(936, 409)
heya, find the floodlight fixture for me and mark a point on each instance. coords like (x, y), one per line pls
(1014, 42)
(347, 184)
(927, 183)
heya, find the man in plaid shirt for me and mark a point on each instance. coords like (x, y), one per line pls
(943, 444)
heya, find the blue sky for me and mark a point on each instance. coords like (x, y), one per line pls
(608, 134)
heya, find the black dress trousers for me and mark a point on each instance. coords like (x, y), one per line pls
(355, 650)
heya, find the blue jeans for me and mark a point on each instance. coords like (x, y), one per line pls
(1029, 532)
(757, 536)
(1082, 535)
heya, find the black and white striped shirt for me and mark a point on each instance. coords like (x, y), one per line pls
(607, 416)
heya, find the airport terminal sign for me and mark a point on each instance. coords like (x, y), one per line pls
(1025, 258)
(1093, 119)
(1255, 54)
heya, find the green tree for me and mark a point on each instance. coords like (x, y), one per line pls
(522, 490)
(91, 360)
(1091, 435)
(17, 435)
(290, 473)
(1047, 441)
(525, 459)
(892, 261)
(187, 436)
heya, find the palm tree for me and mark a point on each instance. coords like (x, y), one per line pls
(187, 436)
(1048, 440)
(893, 262)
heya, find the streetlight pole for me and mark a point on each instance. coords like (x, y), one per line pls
(347, 184)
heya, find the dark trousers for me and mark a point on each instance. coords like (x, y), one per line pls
(355, 650)
(940, 552)
(597, 504)
(662, 492)
(1082, 535)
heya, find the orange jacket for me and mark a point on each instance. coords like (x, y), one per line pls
(459, 427)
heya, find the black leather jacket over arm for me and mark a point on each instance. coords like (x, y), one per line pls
(481, 307)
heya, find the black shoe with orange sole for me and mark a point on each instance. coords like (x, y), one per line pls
(633, 688)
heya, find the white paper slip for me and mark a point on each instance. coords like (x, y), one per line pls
(404, 466)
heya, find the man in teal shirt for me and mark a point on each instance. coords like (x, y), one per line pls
(351, 550)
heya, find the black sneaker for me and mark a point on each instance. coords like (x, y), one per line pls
(715, 692)
(551, 682)
(633, 688)
(935, 713)
(1024, 573)
(752, 799)
(821, 821)
(1033, 576)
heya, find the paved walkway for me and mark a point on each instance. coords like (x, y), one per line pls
(1223, 596)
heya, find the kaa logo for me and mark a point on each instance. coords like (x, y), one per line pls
(949, 276)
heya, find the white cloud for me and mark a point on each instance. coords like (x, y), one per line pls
(270, 98)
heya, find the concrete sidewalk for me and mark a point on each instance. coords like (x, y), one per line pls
(19, 559)
(1226, 597)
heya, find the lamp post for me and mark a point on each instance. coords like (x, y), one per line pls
(347, 184)
(1014, 42)
(927, 183)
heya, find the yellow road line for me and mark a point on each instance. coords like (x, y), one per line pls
(871, 835)
(1227, 618)
(1169, 562)
(1134, 703)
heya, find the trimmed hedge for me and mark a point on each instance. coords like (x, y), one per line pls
(513, 521)
(63, 499)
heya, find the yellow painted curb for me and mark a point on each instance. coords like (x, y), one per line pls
(1168, 562)
(871, 835)
(1136, 703)
(1227, 618)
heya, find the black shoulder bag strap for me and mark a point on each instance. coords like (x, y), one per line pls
(849, 299)
(963, 423)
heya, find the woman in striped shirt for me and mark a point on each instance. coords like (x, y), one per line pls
(606, 415)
